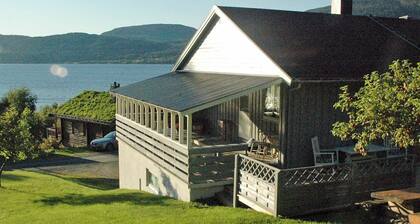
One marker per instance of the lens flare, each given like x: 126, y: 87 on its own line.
x: 59, y: 71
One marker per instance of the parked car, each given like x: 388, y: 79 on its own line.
x: 108, y: 142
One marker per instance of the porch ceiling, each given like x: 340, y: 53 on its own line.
x: 190, y: 91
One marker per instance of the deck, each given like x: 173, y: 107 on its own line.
x: 300, y: 191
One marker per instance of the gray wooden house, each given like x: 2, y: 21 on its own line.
x: 266, y: 75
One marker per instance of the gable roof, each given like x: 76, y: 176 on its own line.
x: 187, y: 92
x: 314, y: 46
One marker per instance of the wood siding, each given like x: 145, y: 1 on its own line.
x: 227, y: 49
x: 228, y: 112
x: 311, y: 113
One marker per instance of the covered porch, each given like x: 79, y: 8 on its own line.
x: 193, y: 124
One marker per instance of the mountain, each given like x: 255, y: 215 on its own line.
x: 138, y: 44
x: 154, y: 32
x: 383, y: 8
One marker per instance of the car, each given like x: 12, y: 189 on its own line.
x: 108, y: 142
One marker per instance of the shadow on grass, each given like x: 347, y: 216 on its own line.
x: 136, y: 198
x: 53, y: 160
x: 96, y: 183
x: 13, y: 177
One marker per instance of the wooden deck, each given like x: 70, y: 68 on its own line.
x: 198, y: 166
x: 300, y: 191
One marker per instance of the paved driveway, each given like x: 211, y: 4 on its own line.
x: 92, y: 164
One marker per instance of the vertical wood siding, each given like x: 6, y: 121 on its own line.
x: 227, y: 50
x: 311, y: 113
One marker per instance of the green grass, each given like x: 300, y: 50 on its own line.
x: 29, y: 197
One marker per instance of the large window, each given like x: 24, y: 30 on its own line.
x: 272, y: 101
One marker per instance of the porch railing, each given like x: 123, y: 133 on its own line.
x: 299, y: 191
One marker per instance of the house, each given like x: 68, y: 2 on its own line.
x: 267, y: 75
x: 84, y: 118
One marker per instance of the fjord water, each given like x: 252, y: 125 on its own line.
x: 58, y: 83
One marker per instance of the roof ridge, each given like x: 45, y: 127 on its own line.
x: 396, y: 33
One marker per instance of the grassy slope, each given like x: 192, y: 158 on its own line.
x: 90, y: 104
x: 37, y: 198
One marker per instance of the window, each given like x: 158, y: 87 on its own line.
x: 152, y: 181
x: 272, y: 101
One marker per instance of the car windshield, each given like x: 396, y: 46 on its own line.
x: 110, y: 135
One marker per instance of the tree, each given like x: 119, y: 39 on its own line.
x: 20, y: 99
x: 387, y: 106
x: 16, y: 139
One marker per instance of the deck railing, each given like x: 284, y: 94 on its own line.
x: 306, y: 190
x: 214, y: 165
x: 198, y: 166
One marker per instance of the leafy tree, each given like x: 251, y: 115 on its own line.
x: 386, y: 107
x: 20, y: 99
x: 16, y: 139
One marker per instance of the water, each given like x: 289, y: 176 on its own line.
x: 52, y: 83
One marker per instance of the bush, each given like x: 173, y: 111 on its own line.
x: 48, y: 145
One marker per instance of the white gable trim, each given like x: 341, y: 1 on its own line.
x: 201, y: 34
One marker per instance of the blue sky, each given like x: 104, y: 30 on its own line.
x: 45, y: 17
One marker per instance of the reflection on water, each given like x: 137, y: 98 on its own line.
x: 70, y: 79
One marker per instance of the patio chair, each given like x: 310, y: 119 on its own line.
x: 323, y: 157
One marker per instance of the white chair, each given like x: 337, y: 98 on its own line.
x: 323, y: 157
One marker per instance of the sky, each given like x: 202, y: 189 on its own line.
x: 47, y: 17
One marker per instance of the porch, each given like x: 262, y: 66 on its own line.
x: 300, y: 191
x: 195, y: 134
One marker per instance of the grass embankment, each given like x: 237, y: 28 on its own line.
x: 29, y: 197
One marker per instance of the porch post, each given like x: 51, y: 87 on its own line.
x: 159, y: 119
x: 132, y: 114
x: 173, y: 128
x: 141, y: 114
x: 236, y: 181
x: 127, y: 108
x: 136, y: 112
x: 277, y: 189
x: 146, y: 116
x: 165, y: 122
x: 189, y: 131
x: 181, y: 128
x: 153, y: 117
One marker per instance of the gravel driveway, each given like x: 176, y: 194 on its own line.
x: 92, y: 164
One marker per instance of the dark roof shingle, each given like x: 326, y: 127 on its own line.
x: 314, y: 46
x: 183, y: 91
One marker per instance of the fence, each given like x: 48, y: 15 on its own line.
x: 299, y: 191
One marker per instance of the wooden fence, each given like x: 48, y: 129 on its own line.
x: 300, y: 191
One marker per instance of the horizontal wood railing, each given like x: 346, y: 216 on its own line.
x: 299, y: 191
x: 170, y: 156
x: 213, y: 165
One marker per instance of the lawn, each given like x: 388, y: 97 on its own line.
x: 30, y: 197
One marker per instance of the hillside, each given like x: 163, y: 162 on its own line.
x: 383, y: 8
x: 155, y: 32
x: 123, y: 45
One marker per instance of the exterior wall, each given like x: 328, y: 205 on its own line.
x: 311, y: 113
x: 228, y: 112
x: 74, y: 133
x: 227, y: 49
x: 133, y: 168
x: 79, y: 134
